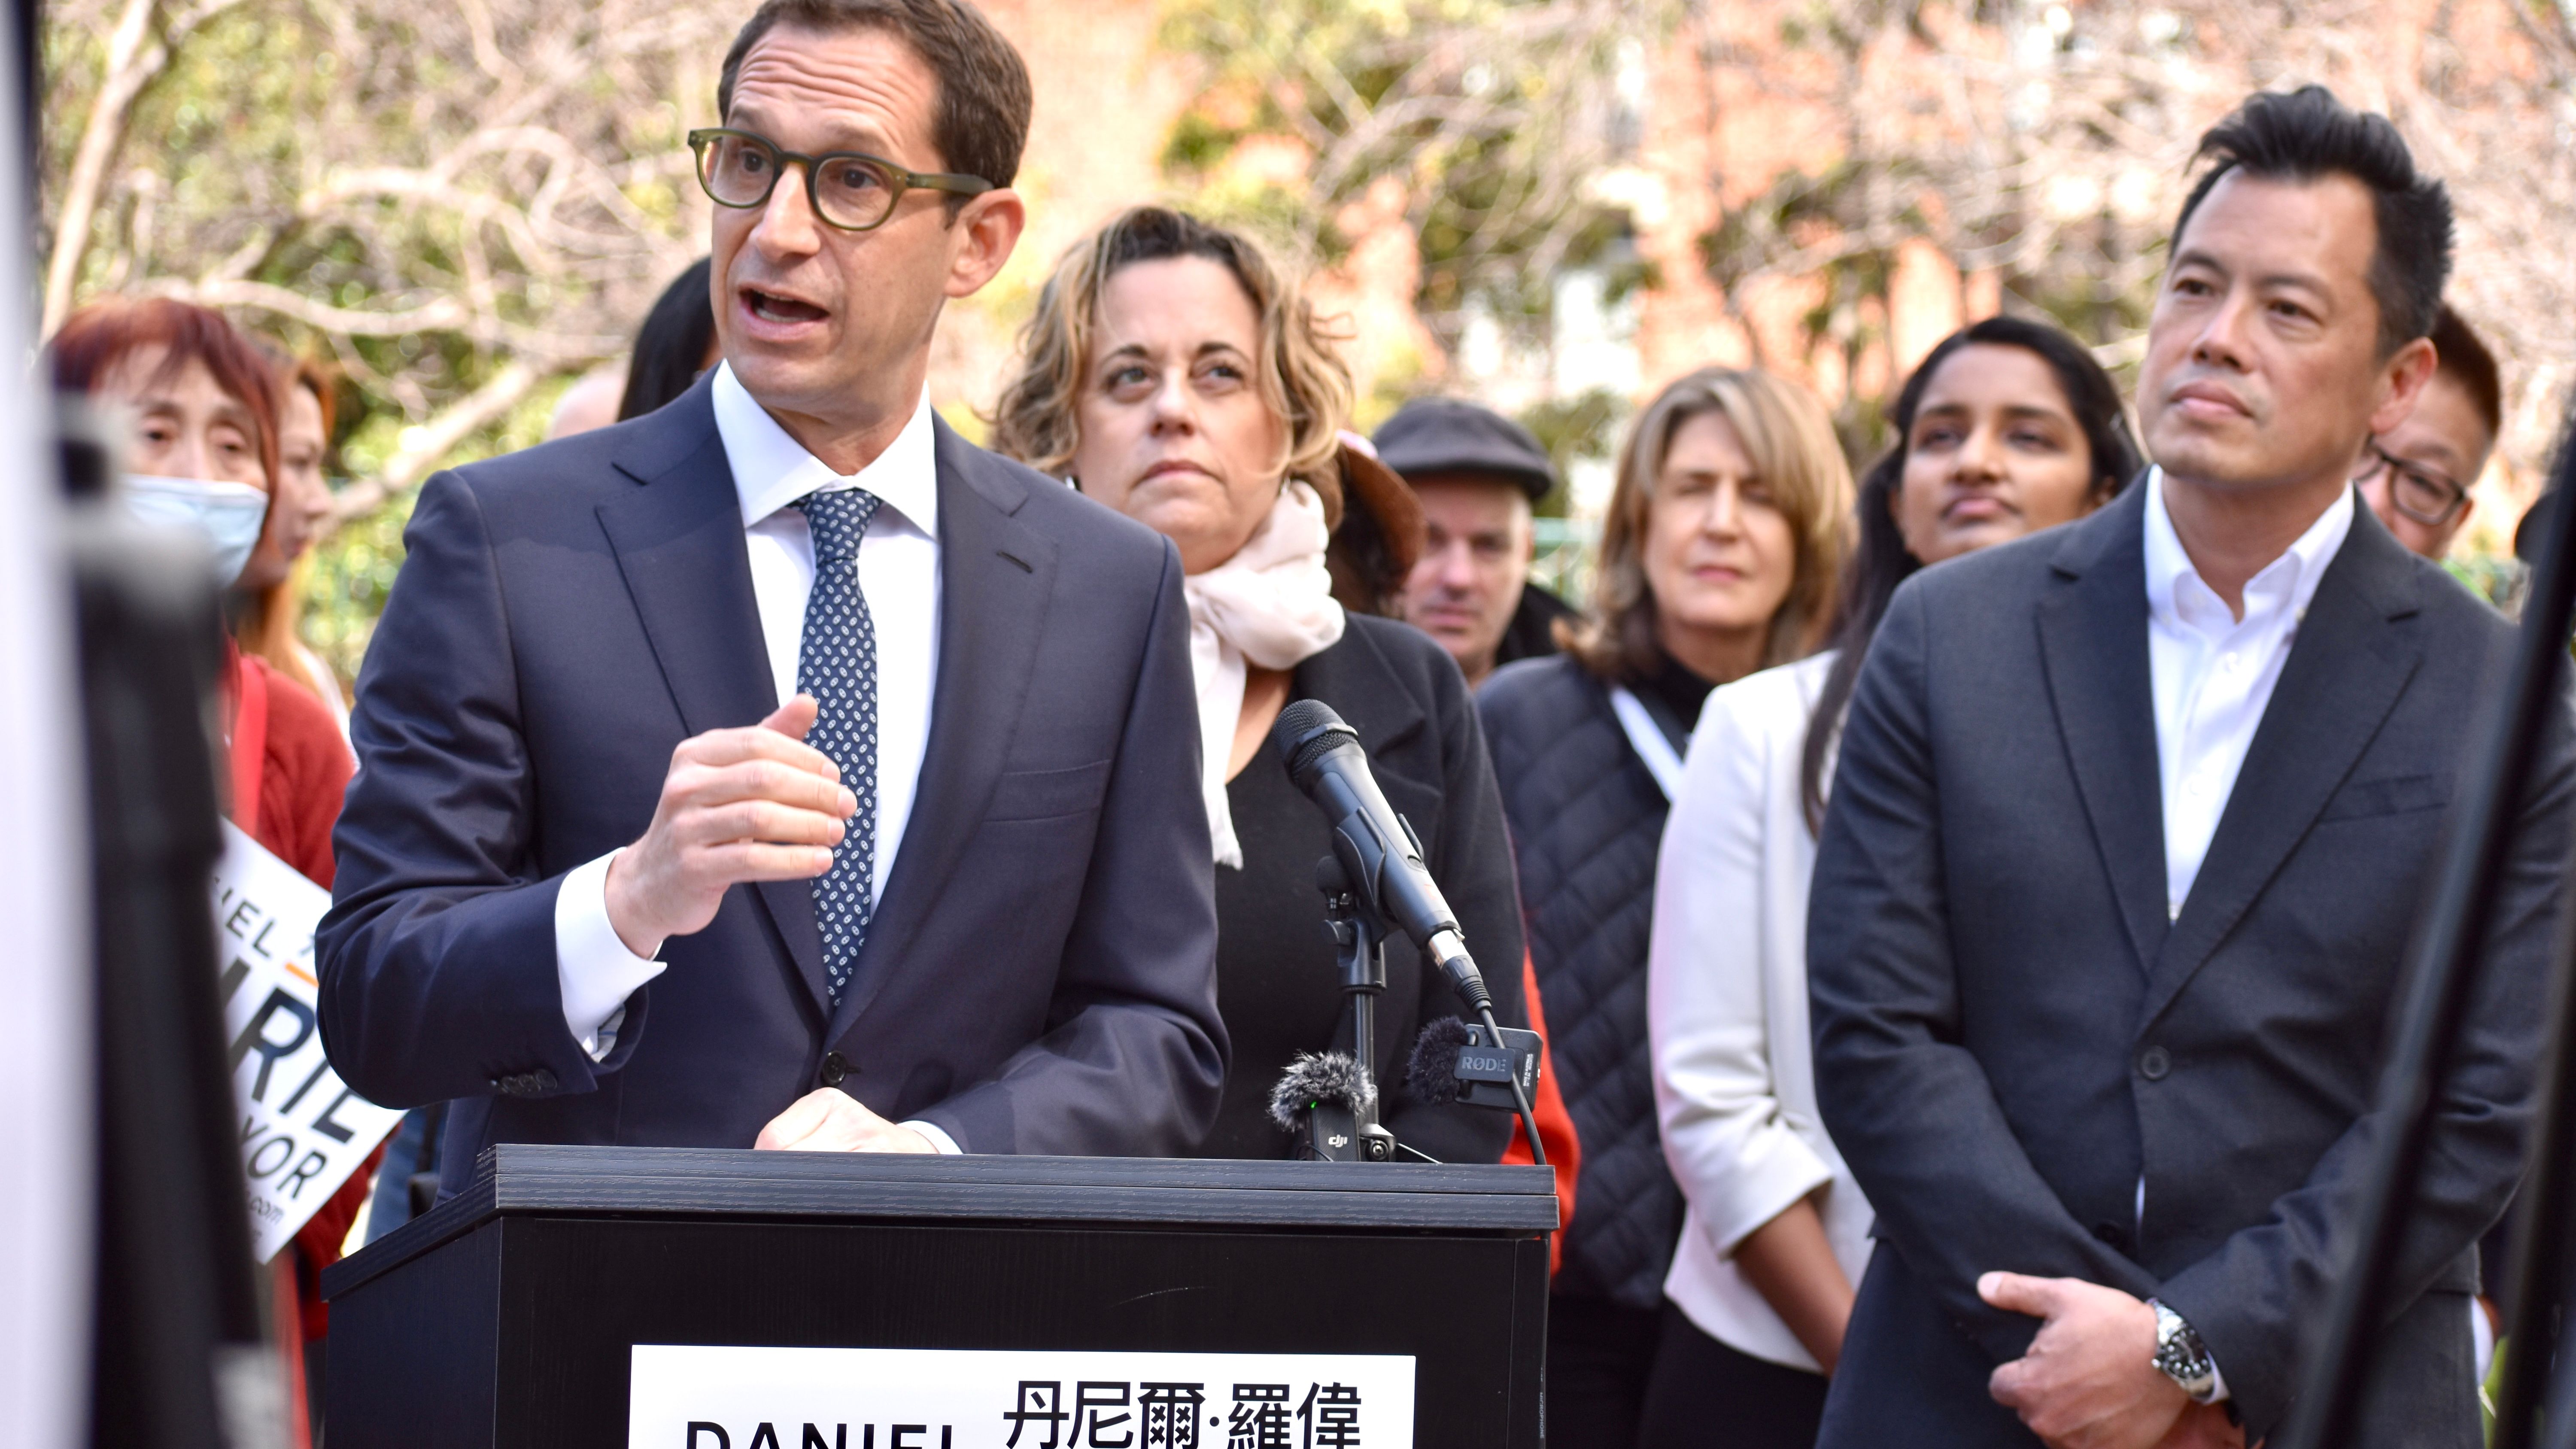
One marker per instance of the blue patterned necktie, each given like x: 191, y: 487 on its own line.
x: 837, y: 664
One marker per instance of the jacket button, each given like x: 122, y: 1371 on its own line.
x: 2107, y: 1233
x: 835, y: 1067
x: 2153, y: 1063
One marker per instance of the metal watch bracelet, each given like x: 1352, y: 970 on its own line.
x: 2181, y: 1356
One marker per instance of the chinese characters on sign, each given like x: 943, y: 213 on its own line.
x: 1167, y: 1417
x: 688, y: 1397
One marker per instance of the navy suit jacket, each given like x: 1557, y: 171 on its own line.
x: 1039, y: 976
x: 2010, y: 1032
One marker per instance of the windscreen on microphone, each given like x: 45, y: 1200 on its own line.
x: 1432, y: 1073
x: 1332, y: 1078
x: 1307, y: 730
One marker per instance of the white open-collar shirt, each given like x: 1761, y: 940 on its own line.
x: 899, y: 576
x: 2213, y: 673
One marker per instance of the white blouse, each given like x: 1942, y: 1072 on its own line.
x: 1726, y: 1006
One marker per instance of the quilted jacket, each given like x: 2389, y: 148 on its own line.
x: 1586, y: 819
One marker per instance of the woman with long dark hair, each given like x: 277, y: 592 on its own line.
x: 2007, y: 428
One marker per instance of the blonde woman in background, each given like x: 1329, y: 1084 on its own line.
x: 1175, y: 373
x: 1718, y: 558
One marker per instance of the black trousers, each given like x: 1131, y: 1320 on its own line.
x: 1599, y: 1356
x: 1702, y: 1394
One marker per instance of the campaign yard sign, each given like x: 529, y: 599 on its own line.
x: 303, y: 1131
x: 685, y: 1396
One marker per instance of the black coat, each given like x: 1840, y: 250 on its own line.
x: 1038, y: 977
x: 1587, y: 820
x: 1276, y: 982
x: 2011, y: 1034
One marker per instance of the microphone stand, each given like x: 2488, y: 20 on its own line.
x: 1334, y: 1134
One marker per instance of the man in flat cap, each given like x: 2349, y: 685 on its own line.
x: 1477, y: 474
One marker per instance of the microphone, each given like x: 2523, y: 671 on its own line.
x: 1453, y: 1061
x: 1384, y: 859
x: 1327, y: 1098
x: 1318, y: 1079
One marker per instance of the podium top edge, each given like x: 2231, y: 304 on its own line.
x: 526, y: 1166
x: 538, y: 1180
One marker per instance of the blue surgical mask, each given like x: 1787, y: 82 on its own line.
x: 227, y: 515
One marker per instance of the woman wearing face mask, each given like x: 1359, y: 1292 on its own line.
x: 1177, y: 377
x: 202, y: 456
x: 2008, y: 427
x: 1724, y: 527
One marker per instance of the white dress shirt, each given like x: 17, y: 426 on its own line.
x: 1726, y: 1010
x: 2212, y: 676
x: 899, y: 576
x: 2213, y: 673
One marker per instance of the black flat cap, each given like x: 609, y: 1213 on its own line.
x: 1450, y: 435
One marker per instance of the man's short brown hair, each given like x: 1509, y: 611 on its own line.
x: 982, y: 120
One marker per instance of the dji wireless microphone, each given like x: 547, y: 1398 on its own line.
x: 1377, y: 847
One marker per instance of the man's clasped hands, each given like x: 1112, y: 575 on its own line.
x: 2089, y: 1380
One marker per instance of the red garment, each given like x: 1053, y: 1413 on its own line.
x: 304, y: 770
x: 1555, y: 1124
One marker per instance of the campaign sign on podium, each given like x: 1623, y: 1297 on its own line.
x: 714, y: 1397
x: 303, y: 1131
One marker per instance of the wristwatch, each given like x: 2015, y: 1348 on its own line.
x: 2182, y: 1357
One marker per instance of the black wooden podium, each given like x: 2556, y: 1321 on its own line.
x: 506, y: 1317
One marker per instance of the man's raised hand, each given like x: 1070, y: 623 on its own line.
x: 737, y: 805
x: 2090, y: 1379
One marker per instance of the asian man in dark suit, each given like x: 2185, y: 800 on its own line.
x: 778, y: 768
x: 2129, y: 830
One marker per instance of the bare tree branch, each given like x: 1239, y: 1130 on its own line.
x: 426, y: 443
x: 132, y: 61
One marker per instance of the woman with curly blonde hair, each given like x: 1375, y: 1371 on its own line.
x: 1178, y: 375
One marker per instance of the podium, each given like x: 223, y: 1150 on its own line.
x: 770, y: 1300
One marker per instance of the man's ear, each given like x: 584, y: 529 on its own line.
x: 2401, y: 381
x: 987, y: 228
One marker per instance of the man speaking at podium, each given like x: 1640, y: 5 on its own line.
x: 778, y: 767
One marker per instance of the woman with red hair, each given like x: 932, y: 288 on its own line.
x: 203, y: 453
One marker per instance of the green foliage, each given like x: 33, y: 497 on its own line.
x: 1581, y: 428
x: 1494, y: 114
x: 352, y: 574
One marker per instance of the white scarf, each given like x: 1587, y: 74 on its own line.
x: 1270, y: 605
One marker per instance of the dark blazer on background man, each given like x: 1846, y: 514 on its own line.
x: 1039, y: 974
x: 2010, y: 1033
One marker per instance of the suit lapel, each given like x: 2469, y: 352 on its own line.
x: 679, y: 546
x: 996, y: 576
x: 2093, y: 645
x: 2347, y: 667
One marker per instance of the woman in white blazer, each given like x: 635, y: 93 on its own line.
x: 2008, y: 427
